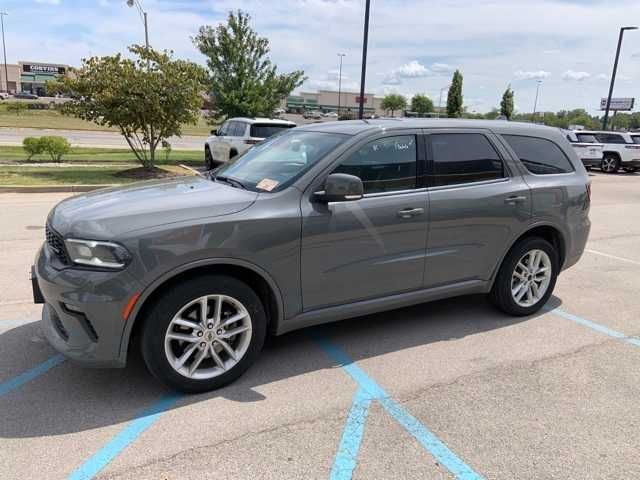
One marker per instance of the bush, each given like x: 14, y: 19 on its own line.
x: 32, y: 146
x: 56, y: 147
x: 17, y: 107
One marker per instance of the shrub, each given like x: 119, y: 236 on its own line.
x: 17, y: 107
x: 55, y: 147
x: 32, y: 146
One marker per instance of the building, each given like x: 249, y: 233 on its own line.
x: 30, y: 76
x: 327, y: 101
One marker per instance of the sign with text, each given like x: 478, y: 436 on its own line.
x: 618, y: 104
x: 364, y: 99
x: 43, y: 69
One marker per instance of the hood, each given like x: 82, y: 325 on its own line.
x: 105, y: 214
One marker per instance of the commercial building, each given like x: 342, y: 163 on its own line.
x: 30, y: 76
x: 327, y: 101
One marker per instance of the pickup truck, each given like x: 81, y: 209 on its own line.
x: 587, y: 147
x: 620, y: 151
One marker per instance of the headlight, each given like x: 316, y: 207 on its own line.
x: 97, y: 254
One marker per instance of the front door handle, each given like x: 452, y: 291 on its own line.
x: 513, y: 199
x: 410, y: 212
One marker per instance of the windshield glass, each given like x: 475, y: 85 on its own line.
x: 280, y: 160
x: 586, y: 138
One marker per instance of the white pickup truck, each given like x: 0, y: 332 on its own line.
x: 587, y: 147
x: 620, y: 151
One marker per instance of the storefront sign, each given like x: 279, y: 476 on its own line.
x: 43, y: 69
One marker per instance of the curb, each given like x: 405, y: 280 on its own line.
x: 51, y: 188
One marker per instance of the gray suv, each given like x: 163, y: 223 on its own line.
x: 317, y: 224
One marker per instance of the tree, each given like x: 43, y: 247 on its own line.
x: 243, y: 81
x: 507, y: 105
x: 148, y: 98
x: 454, y: 98
x: 421, y: 104
x: 393, y: 102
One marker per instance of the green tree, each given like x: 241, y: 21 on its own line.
x: 421, y: 104
x: 507, y: 105
x: 147, y: 98
x: 454, y: 98
x: 393, y: 102
x: 243, y: 81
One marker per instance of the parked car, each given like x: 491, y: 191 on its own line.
x: 320, y: 223
x: 237, y: 135
x: 587, y: 147
x: 330, y: 114
x: 4, y: 95
x: 25, y: 96
x: 635, y: 137
x: 619, y: 151
x: 280, y: 111
x: 312, y: 114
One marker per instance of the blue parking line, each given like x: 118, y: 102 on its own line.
x: 421, y: 433
x: 29, y: 375
x: 124, y: 438
x: 347, y: 456
x: 596, y: 326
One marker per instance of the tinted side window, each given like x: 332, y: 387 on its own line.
x: 267, y: 130
x: 463, y: 158
x: 384, y: 165
x: 222, y: 131
x: 610, y: 138
x: 232, y: 129
x: 538, y: 155
x: 241, y: 128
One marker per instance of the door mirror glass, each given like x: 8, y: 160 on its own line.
x: 340, y: 187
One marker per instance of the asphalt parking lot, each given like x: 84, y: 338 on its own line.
x: 451, y: 389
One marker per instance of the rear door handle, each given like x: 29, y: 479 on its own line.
x: 410, y: 212
x: 513, y: 199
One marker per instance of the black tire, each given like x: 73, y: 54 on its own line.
x: 161, y: 313
x: 501, y: 295
x: 610, y: 163
x: 631, y: 170
x: 208, y: 159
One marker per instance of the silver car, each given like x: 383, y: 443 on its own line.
x: 317, y: 224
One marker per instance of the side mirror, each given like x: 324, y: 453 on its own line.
x: 214, y: 131
x: 340, y: 187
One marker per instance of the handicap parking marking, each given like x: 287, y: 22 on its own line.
x: 35, y: 372
x: 124, y: 438
x: 429, y: 441
x: 595, y: 326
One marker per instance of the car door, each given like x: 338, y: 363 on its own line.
x: 218, y: 140
x: 375, y: 246
x: 479, y: 202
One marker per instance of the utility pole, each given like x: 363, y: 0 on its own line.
x: 535, y: 102
x: 363, y: 73
x: 4, y: 49
x: 613, y: 76
x: 143, y: 15
x: 340, y: 83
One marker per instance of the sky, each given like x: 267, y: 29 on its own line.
x: 414, y: 45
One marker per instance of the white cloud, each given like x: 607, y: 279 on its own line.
x: 575, y: 76
x: 442, y: 68
x: 413, y: 69
x: 602, y: 76
x: 531, y: 75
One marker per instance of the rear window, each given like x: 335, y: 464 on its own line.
x: 636, y: 138
x: 586, y: 138
x: 610, y: 138
x: 267, y: 130
x: 540, y: 156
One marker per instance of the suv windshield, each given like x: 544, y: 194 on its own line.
x: 261, y: 130
x: 280, y: 160
x: 586, y: 138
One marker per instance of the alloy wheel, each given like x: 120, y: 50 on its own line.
x: 531, y: 277
x: 609, y: 164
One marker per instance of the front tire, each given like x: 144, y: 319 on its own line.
x: 526, y: 278
x: 610, y: 164
x: 203, y: 333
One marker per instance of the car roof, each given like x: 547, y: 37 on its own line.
x: 275, y: 121
x: 596, y: 132
x: 354, y: 127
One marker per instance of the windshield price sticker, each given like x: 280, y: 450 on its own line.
x: 267, y: 184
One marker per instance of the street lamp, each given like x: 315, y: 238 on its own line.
x: 143, y: 15
x: 440, y: 101
x: 340, y: 82
x: 613, y: 76
x: 4, y: 49
x: 364, y: 58
x: 535, y: 102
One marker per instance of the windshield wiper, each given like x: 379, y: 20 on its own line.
x: 231, y: 181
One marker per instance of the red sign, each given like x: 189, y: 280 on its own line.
x: 358, y: 99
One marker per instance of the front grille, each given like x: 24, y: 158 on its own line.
x: 56, y: 244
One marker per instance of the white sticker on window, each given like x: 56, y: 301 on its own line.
x: 267, y: 184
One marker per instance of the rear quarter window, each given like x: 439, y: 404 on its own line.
x: 539, y: 155
x: 267, y: 130
x: 611, y: 138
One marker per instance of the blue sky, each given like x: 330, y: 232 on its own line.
x: 414, y: 44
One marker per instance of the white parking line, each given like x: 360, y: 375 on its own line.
x: 615, y: 257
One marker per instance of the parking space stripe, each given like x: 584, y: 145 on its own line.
x: 615, y: 257
x: 347, y: 456
x: 124, y: 438
x: 29, y: 375
x: 419, y: 431
x: 596, y: 326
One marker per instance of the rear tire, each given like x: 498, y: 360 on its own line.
x: 519, y: 270
x: 222, y: 355
x: 610, y: 163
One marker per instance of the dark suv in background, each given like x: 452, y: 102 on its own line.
x: 317, y: 224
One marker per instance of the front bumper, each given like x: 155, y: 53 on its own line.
x: 82, y: 312
x: 591, y: 162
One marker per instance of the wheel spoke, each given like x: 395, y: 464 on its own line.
x: 535, y: 289
x: 218, y: 311
x: 204, y: 310
x: 228, y: 349
x: 182, y: 337
x: 233, y: 319
x: 521, y: 291
x: 529, y: 294
x: 186, y: 355
x: 235, y: 331
x: 187, y: 323
x: 216, y: 357
x: 197, y: 361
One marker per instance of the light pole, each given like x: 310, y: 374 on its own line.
x: 143, y: 15
x: 340, y: 83
x: 440, y: 101
x: 535, y: 102
x: 613, y: 76
x: 4, y: 49
x: 364, y: 58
